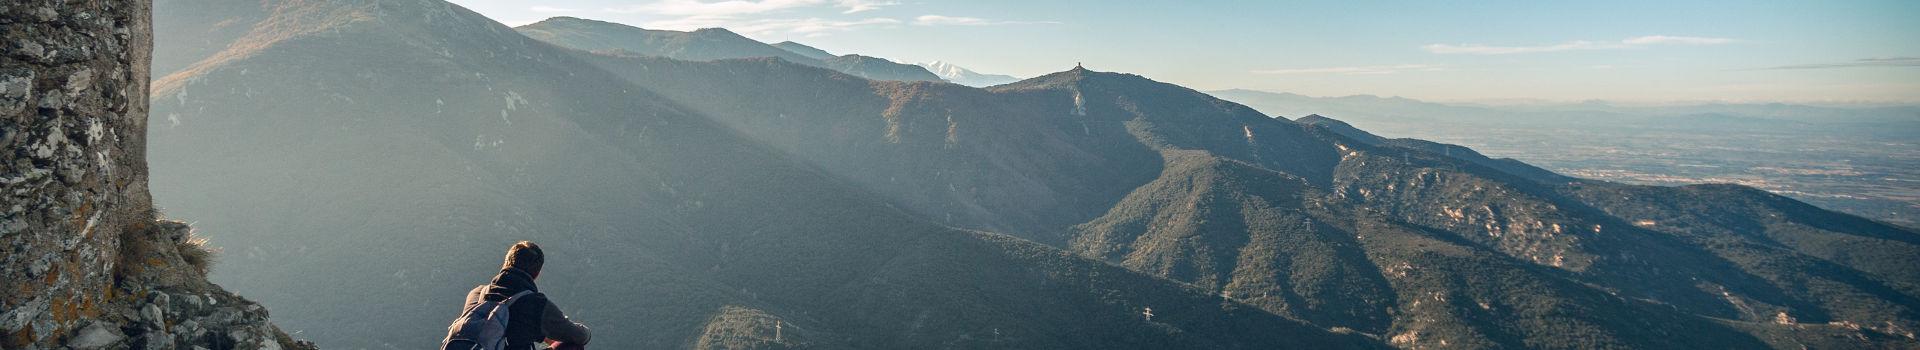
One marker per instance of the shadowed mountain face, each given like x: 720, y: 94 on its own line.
x: 380, y: 153
x: 708, y: 44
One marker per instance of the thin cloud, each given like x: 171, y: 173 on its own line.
x: 551, y: 9
x: 857, y: 6
x: 691, y: 23
x: 813, y: 26
x: 938, y: 20
x: 1354, y: 70
x: 1628, y: 43
x: 1864, y: 62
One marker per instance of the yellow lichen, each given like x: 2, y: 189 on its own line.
x: 63, y: 311
x: 22, y: 338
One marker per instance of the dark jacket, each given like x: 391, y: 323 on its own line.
x: 533, y: 319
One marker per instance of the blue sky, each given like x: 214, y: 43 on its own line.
x: 1484, y: 51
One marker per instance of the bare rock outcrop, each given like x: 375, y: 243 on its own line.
x: 84, y: 261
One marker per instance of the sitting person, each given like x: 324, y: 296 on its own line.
x: 530, y: 317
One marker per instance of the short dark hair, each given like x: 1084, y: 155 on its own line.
x: 525, y: 256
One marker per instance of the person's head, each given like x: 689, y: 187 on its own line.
x: 525, y: 256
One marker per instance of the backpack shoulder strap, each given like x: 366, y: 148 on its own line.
x: 516, y: 297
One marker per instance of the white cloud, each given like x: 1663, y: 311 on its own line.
x: 1357, y: 69
x: 856, y: 6
x: 551, y: 9
x: 1628, y: 43
x: 931, y: 20
x: 812, y: 26
x: 938, y: 20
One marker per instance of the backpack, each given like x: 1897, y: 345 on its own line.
x: 481, y: 326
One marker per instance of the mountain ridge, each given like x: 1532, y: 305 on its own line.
x: 738, y: 191
x: 1076, y: 101
x: 804, y: 50
x: 669, y: 224
x: 704, y: 44
x: 963, y: 76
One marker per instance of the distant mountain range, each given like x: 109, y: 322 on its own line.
x: 380, y: 153
x: 1715, y: 116
x: 705, y: 45
x: 962, y: 76
x: 946, y: 71
x: 804, y: 50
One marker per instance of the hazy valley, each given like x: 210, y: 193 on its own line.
x: 1861, y: 160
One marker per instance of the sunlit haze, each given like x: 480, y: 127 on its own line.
x: 1485, y: 51
x: 959, y: 174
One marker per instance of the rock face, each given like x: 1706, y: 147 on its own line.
x: 86, y: 265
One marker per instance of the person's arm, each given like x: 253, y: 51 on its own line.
x: 561, y: 329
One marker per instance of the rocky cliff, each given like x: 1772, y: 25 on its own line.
x: 86, y: 263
